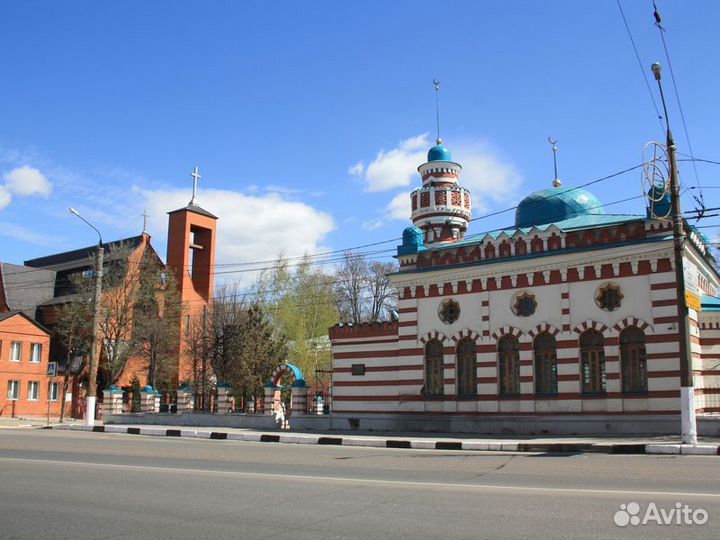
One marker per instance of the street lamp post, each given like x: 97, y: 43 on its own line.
x: 94, y: 352
x: 687, y: 390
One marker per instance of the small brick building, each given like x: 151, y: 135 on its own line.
x: 24, y: 382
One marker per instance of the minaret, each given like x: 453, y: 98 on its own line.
x: 441, y: 208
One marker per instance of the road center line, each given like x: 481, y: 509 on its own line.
x: 400, y: 483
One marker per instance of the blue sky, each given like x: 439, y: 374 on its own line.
x: 307, y: 119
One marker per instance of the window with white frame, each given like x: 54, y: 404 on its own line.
x: 54, y: 391
x: 35, y: 352
x: 13, y: 390
x: 33, y: 390
x: 15, y: 351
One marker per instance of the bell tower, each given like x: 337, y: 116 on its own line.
x: 191, y: 256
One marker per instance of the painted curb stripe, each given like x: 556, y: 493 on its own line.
x: 397, y: 444
x: 330, y: 440
x: 548, y: 448
x: 448, y: 445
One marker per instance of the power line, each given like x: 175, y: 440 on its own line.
x: 373, y: 244
x: 641, y: 66
x: 661, y: 30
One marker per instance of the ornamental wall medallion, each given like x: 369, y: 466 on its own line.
x: 449, y: 311
x: 609, y: 297
x: 524, y: 304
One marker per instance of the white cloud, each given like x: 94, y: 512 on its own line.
x: 486, y: 175
x: 25, y: 235
x: 372, y: 224
x: 5, y: 197
x: 26, y: 181
x: 251, y: 227
x: 399, y: 206
x: 489, y: 177
x: 396, y: 167
x: 357, y: 170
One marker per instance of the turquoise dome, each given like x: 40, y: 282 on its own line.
x: 556, y: 204
x: 439, y: 153
x: 660, y: 203
x: 413, y: 239
x: 413, y: 236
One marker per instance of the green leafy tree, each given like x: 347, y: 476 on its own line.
x: 300, y: 302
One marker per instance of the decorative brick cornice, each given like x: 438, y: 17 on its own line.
x: 369, y: 329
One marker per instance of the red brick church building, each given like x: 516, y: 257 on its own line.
x: 31, y: 294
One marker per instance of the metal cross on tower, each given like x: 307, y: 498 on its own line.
x: 196, y: 176
x: 145, y: 216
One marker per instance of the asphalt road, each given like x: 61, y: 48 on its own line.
x: 59, y: 484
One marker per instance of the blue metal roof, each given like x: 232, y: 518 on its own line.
x: 556, y: 204
x: 709, y: 303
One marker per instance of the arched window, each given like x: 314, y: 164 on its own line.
x: 592, y: 358
x: 509, y: 365
x: 545, y: 349
x: 465, y: 367
x: 434, y: 368
x: 633, y: 360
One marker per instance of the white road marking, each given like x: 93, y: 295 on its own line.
x: 399, y: 483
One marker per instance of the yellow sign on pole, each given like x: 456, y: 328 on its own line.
x: 692, y: 301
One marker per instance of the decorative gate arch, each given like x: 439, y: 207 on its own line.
x: 298, y: 399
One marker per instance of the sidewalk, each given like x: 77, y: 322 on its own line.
x: 9, y: 422
x: 426, y: 441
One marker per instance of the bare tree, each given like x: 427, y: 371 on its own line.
x: 351, y: 278
x: 363, y: 291
x: 244, y: 347
x: 383, y: 296
x: 120, y: 289
x: 198, y: 342
x: 156, y: 313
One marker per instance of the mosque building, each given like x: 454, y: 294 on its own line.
x: 567, y: 321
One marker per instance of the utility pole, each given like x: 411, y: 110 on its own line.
x: 94, y: 349
x: 687, y: 390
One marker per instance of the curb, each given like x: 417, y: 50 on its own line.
x: 419, y: 444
